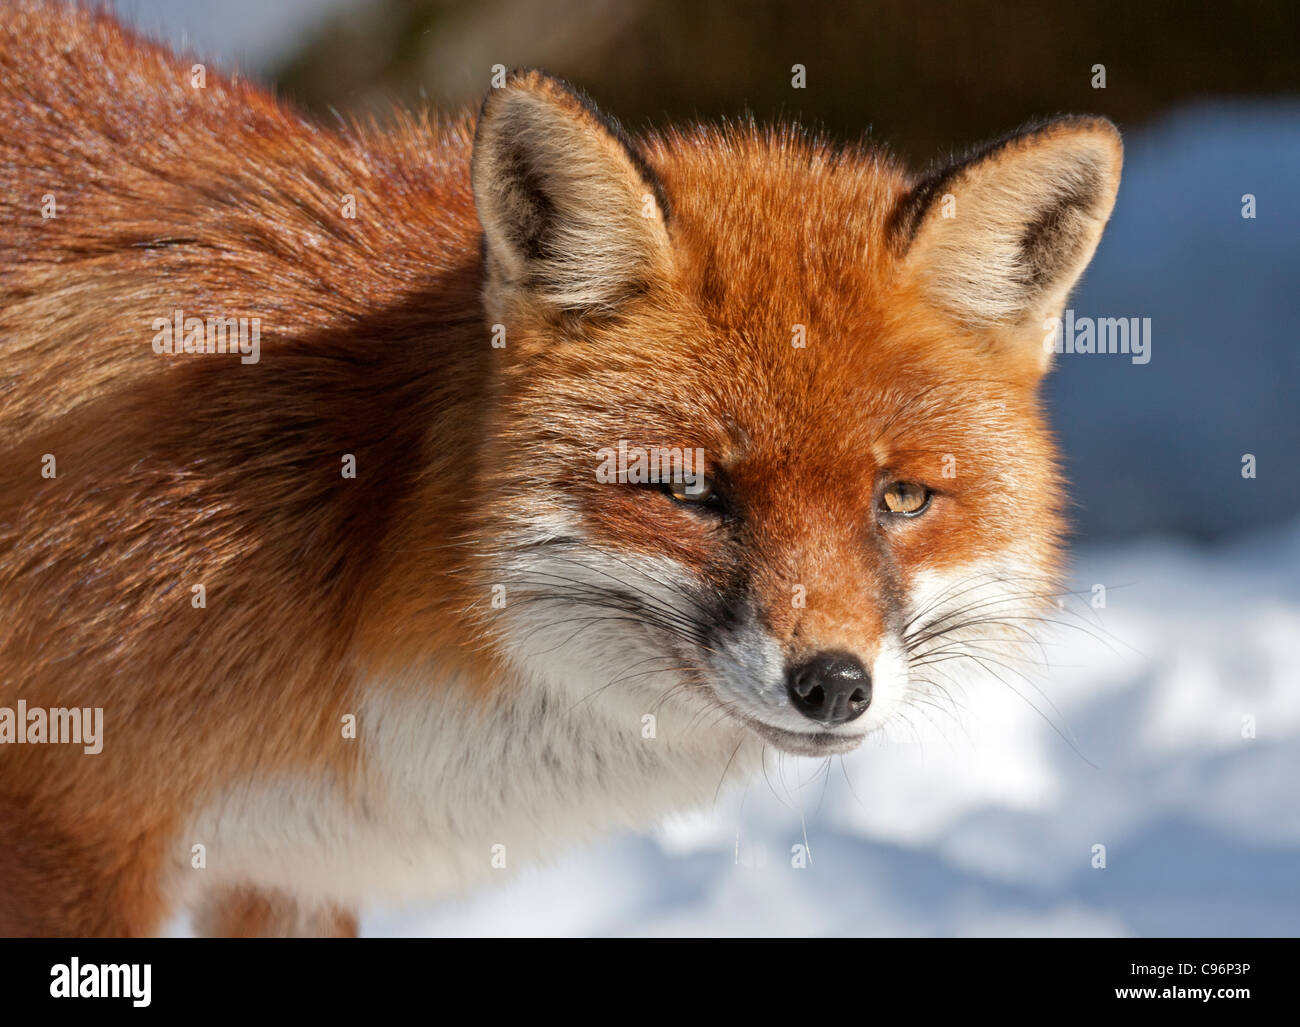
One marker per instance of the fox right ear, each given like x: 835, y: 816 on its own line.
x: 999, y: 239
x: 571, y: 213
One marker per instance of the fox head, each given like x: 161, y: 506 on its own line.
x: 854, y: 352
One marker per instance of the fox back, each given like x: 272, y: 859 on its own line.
x: 556, y: 474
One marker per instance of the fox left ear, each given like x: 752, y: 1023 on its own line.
x: 571, y: 213
x: 999, y: 239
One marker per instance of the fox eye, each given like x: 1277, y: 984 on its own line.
x: 699, y: 492
x: 905, y: 498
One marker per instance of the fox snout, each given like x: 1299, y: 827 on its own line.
x: 829, y: 688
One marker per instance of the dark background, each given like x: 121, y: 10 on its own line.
x: 920, y: 76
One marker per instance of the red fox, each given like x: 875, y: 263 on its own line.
x: 533, y: 481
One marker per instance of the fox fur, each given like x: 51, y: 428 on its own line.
x: 518, y: 288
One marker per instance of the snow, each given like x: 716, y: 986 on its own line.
x: 986, y: 825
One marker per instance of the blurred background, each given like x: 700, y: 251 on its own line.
x: 1164, y: 725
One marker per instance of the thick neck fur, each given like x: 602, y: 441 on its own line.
x: 451, y: 794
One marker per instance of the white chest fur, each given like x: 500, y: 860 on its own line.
x: 451, y: 794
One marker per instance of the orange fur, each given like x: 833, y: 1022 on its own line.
x: 174, y: 472
x: 249, y: 913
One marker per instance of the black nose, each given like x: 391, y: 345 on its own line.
x: 830, y: 688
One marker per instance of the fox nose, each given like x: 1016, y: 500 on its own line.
x: 830, y: 688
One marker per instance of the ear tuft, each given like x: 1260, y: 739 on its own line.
x: 1001, y: 237
x: 572, y: 214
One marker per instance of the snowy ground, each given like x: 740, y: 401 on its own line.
x: 987, y: 826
